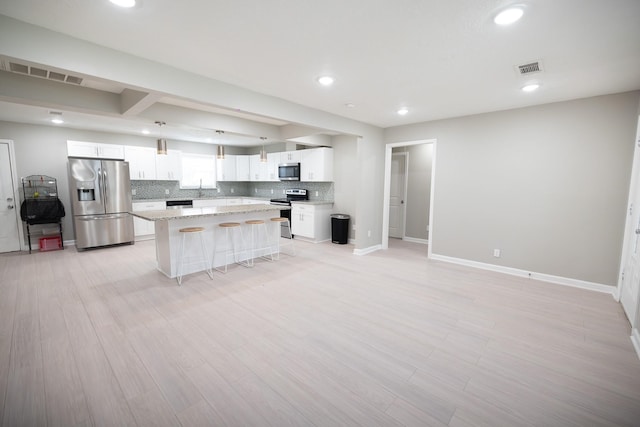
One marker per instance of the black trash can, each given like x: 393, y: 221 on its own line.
x: 340, y: 228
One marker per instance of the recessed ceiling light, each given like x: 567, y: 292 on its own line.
x: 56, y: 117
x: 325, y: 80
x: 530, y: 87
x: 508, y: 16
x: 124, y: 3
x: 403, y: 111
x: 350, y: 105
x: 145, y: 131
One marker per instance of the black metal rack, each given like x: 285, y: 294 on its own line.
x: 41, y: 205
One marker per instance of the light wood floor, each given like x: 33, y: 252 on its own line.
x: 326, y: 338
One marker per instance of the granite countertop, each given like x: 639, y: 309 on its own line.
x: 308, y: 202
x: 169, y: 214
x: 199, y: 198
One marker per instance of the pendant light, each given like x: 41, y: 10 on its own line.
x: 263, y: 153
x: 220, y: 154
x: 162, y: 146
x: 161, y: 143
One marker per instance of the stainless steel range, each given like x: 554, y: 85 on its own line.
x: 292, y: 194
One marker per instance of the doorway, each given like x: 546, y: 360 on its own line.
x: 10, y: 224
x: 398, y: 194
x: 387, y: 190
x: 629, y: 282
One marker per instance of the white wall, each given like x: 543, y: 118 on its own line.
x: 547, y: 185
x: 345, y: 177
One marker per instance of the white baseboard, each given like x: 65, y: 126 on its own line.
x: 635, y: 339
x: 558, y: 280
x: 306, y: 239
x: 368, y: 250
x: 416, y: 240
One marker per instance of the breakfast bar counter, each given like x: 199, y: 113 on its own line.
x: 168, y: 222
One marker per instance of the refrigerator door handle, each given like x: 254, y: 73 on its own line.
x: 98, y: 218
x: 104, y: 187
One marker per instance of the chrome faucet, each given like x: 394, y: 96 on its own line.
x: 200, y: 193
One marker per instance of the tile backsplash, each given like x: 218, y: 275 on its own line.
x: 171, y: 190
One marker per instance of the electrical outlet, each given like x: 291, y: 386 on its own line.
x: 232, y: 191
x: 133, y: 191
x: 218, y: 189
x: 272, y: 191
x: 496, y: 253
x: 166, y: 191
x: 369, y: 233
x: 256, y: 191
x: 316, y: 194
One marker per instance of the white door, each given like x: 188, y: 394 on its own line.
x: 630, y: 281
x: 9, y: 206
x: 397, y: 195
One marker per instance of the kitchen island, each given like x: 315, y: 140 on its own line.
x: 168, y: 222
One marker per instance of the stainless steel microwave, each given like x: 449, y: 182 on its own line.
x: 289, y: 171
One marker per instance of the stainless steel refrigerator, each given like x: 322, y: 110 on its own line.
x: 101, y: 202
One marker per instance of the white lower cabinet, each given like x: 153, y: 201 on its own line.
x: 246, y: 201
x: 142, y: 228
x: 207, y: 203
x: 311, y: 222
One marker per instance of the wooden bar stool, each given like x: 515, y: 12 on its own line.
x: 278, y: 223
x: 233, y: 232
x: 256, y: 242
x: 192, y: 231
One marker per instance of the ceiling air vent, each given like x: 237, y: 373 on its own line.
x: 43, y: 73
x: 18, y: 68
x: 532, y: 67
x: 73, y: 80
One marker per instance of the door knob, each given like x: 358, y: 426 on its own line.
x: 637, y: 230
x: 10, y: 206
x: 9, y: 199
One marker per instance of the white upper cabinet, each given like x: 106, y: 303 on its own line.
x: 243, y: 171
x: 273, y: 160
x: 290, y: 157
x: 95, y: 150
x: 226, y: 168
x: 142, y: 162
x: 259, y: 170
x: 169, y: 166
x: 254, y: 168
x: 316, y: 164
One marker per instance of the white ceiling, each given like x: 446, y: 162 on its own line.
x: 438, y: 58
